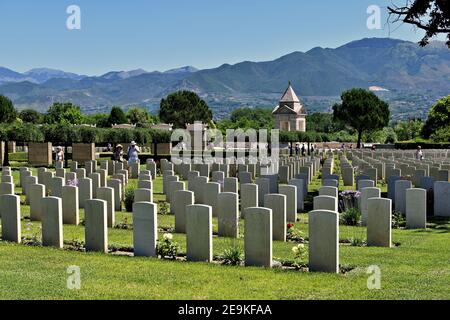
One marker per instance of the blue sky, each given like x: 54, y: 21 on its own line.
x: 164, y: 34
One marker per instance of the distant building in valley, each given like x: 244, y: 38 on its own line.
x: 290, y: 114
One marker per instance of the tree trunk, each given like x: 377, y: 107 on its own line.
x: 6, y: 158
x: 359, y: 139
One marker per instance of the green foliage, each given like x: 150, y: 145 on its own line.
x: 24, y: 133
x: 129, y: 198
x: 184, y: 107
x: 139, y: 117
x: 166, y: 247
x: 362, y: 110
x: 233, y: 255
x: 31, y: 116
x: 441, y: 135
x: 385, y: 135
x: 160, y: 136
x: 60, y: 133
x: 63, y: 113
x: 323, y: 122
x: 351, y: 217
x: 89, y: 134
x: 7, y: 111
x: 117, y: 116
x: 408, y: 129
x: 438, y: 117
x: 255, y: 118
x: 100, y: 120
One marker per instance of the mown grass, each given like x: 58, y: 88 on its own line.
x: 416, y: 269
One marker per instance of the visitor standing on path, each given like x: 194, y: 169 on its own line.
x: 133, y: 153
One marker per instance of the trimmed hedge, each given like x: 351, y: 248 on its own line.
x: 423, y: 145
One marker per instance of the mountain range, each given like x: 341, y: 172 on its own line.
x: 401, y: 71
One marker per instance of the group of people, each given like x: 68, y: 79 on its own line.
x: 132, y: 153
x: 302, y: 149
x: 118, y: 155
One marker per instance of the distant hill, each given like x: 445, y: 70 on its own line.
x: 410, y: 76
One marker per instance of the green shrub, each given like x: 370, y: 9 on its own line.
x: 233, y: 255
x: 129, y: 198
x: 351, y: 217
x: 166, y: 247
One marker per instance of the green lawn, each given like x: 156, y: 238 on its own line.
x: 419, y: 268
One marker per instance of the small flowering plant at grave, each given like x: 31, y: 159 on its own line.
x: 166, y: 248
x: 348, y: 206
x: 294, y: 235
x: 398, y: 219
x: 163, y: 208
x: 72, y: 183
x: 233, y: 255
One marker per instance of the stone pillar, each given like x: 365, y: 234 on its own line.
x: 379, y: 222
x: 36, y: 194
x: 325, y: 203
x: 442, y: 199
x: 10, y: 214
x: 230, y: 185
x: 228, y: 214
x: 70, y: 205
x: 56, y: 185
x: 6, y: 188
x: 416, y: 208
x: 400, y: 194
x: 107, y: 194
x: 96, y: 229
x: 182, y: 199
x: 277, y: 203
x: 145, y: 229
x: 143, y: 195
x: 84, y: 191
x: 291, y: 202
x: 324, y: 241
x: 192, y: 175
x: 135, y: 170
x: 199, y: 244
x: 263, y: 189
x: 52, y: 223
x: 95, y: 177
x: 211, y: 193
x: 366, y: 194
x: 117, y: 186
x: 249, y: 197
x: 258, y: 237
x: 299, y: 184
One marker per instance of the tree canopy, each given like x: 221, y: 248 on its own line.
x: 182, y: 107
x: 117, y: 116
x: 433, y: 16
x: 31, y: 116
x: 438, y: 118
x: 64, y: 113
x: 138, y: 116
x: 7, y: 111
x: 362, y: 110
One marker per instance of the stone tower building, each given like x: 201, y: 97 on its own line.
x: 290, y: 114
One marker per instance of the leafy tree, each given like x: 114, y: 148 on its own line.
x: 362, y: 110
x: 7, y: 111
x: 438, y: 117
x: 408, y: 129
x: 100, y: 120
x: 323, y: 122
x: 433, y: 16
x: 184, y: 107
x: 441, y: 135
x: 138, y: 116
x: 64, y: 113
x: 31, y: 116
x: 117, y: 116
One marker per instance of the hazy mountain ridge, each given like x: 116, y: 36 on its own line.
x: 402, y: 67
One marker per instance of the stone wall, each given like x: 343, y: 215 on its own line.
x: 82, y: 152
x: 162, y: 148
x: 40, y: 153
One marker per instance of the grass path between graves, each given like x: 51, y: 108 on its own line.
x: 419, y: 268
